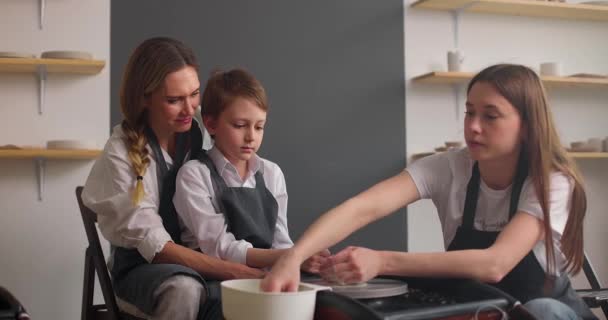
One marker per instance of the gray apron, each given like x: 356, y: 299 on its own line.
x: 134, y: 279
x: 526, y: 281
x: 250, y: 213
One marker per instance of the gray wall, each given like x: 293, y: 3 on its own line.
x: 334, y: 74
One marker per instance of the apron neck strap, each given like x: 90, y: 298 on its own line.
x: 161, y: 164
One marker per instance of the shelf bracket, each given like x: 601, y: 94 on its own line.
x: 40, y: 166
x: 456, y: 90
x: 41, y: 7
x: 42, y: 87
x: 456, y: 22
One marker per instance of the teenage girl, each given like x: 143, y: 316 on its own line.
x: 511, y: 206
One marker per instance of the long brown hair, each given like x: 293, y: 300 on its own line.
x: 145, y: 72
x: 223, y: 87
x: 524, y: 90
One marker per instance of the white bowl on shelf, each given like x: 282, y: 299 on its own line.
x: 71, y: 144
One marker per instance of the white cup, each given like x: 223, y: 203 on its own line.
x: 551, y: 69
x: 455, y: 60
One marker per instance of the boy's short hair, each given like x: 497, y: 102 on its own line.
x: 223, y: 87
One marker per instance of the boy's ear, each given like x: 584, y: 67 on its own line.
x: 210, y: 124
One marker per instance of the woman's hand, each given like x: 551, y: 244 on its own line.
x: 352, y: 265
x: 314, y: 263
x: 285, y: 274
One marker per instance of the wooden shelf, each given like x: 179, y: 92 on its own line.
x: 575, y: 155
x: 30, y: 65
x: 588, y: 155
x: 463, y: 77
x: 50, y: 154
x: 521, y: 8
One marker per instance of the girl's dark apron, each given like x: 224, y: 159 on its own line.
x: 527, y: 280
x: 134, y: 279
x: 250, y: 213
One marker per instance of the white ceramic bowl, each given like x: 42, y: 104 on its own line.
x: 242, y: 299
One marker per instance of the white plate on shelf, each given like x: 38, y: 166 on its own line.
x: 595, y: 3
x: 588, y: 75
x: 70, y: 144
x: 82, y: 55
x: 14, y: 54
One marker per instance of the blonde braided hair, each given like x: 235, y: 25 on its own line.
x: 145, y: 73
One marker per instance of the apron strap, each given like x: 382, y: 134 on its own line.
x: 470, y: 202
x: 165, y: 176
x: 161, y: 166
x: 520, y: 177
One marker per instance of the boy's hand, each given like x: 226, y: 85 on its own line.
x: 314, y: 263
x: 352, y: 265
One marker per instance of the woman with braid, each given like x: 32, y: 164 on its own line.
x: 131, y: 186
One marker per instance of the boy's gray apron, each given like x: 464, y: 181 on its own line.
x: 134, y: 279
x: 527, y: 280
x: 250, y: 213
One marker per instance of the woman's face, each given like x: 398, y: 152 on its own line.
x: 492, y: 125
x: 172, y: 105
x: 239, y: 130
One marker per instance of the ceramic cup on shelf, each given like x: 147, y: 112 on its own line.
x: 551, y: 69
x: 605, y: 145
x: 578, y: 146
x: 455, y: 60
x: 595, y: 144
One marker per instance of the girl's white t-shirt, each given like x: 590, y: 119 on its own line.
x: 443, y: 178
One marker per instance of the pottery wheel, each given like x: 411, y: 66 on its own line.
x: 374, y: 288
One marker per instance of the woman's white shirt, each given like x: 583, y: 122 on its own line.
x: 204, y: 224
x: 443, y: 178
x: 108, y: 192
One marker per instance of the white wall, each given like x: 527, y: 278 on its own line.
x: 42, y: 243
x: 432, y: 116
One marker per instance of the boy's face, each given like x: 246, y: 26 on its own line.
x: 238, y: 131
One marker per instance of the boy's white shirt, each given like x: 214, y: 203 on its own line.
x: 443, y: 178
x: 204, y: 226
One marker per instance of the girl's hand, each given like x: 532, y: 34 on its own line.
x: 314, y: 263
x: 352, y: 265
x: 284, y: 275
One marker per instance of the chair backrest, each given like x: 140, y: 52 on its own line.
x: 95, y: 263
x: 595, y: 284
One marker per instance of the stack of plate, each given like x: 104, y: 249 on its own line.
x: 70, y: 144
x: 82, y: 55
x: 14, y: 54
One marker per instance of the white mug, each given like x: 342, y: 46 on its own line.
x: 455, y: 59
x: 551, y: 69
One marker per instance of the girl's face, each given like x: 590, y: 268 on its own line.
x: 171, y: 107
x: 238, y: 130
x: 492, y: 125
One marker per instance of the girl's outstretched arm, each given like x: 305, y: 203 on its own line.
x: 339, y: 222
x: 357, y: 264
